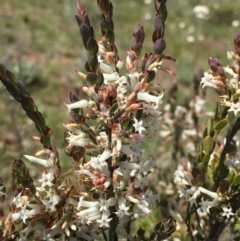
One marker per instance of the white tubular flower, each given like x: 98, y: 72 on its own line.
x: 79, y: 140
x: 133, y: 79
x: 86, y: 204
x: 105, y: 155
x: 182, y: 178
x: 233, y: 62
x: 90, y: 214
x: 150, y: 98
x: 211, y: 194
x: 144, y: 208
x: 104, y: 221
x: 52, y: 202
x: 104, y: 204
x: 43, y: 162
x: 20, y: 215
x: 227, y: 212
x: 73, y: 127
x: 113, y: 77
x: 206, y: 205
x: 83, y: 171
x: 235, y: 108
x: 46, y: 179
x: 122, y: 208
x: 209, y: 81
x: 90, y: 91
x: 78, y: 104
x: 100, y: 162
x: 106, y: 68
x: 119, y: 64
x: 138, y: 126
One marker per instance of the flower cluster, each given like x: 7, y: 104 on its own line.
x: 211, y: 187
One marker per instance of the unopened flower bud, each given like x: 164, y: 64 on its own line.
x: 237, y: 41
x: 133, y: 107
x: 82, y: 75
x: 159, y: 46
x: 131, y: 61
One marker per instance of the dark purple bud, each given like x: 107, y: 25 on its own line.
x: 86, y: 33
x: 158, y: 24
x: 137, y: 48
x: 110, y: 12
x: 237, y: 41
x: 80, y: 8
x: 22, y: 88
x: 103, y: 5
x: 139, y: 34
x: 79, y: 20
x: 214, y: 61
x: 92, y: 78
x: 220, y: 70
x: 159, y: 46
x: 86, y: 20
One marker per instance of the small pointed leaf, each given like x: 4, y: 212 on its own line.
x: 92, y: 78
x: 27, y: 103
x: 220, y: 124
x: 208, y: 144
x: 110, y: 37
x: 92, y: 46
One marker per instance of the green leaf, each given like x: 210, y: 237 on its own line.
x: 110, y: 37
x: 220, y: 124
x: 45, y: 140
x: 106, y: 25
x: 31, y: 116
x: 209, y: 127
x: 200, y: 157
x: 100, y: 79
x: 40, y: 120
x: 139, y: 114
x: 231, y: 177
x: 208, y: 144
x: 10, y: 77
x: 122, y: 158
x: 92, y: 46
x: 237, y: 179
x: 114, y: 107
x: 206, y: 159
x: 86, y: 33
x: 150, y: 76
x: 28, y: 103
x: 14, y: 91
